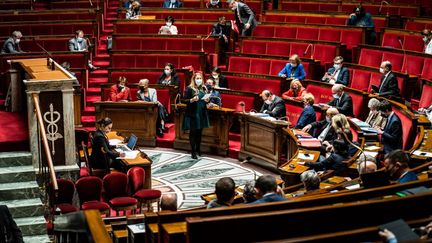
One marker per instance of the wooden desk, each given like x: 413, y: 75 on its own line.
x: 214, y: 138
x: 262, y: 140
x: 173, y: 232
x: 141, y: 160
x: 138, y: 118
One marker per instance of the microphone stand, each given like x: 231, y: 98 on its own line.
x: 50, y: 61
x: 202, y: 41
x: 404, y: 53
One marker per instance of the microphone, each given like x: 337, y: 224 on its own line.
x: 202, y: 41
x: 175, y: 101
x: 247, y: 160
x: 91, y: 3
x: 404, y: 53
x: 400, y: 42
x: 381, y: 5
x: 307, y: 49
x: 50, y: 61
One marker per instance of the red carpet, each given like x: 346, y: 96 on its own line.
x: 13, y: 132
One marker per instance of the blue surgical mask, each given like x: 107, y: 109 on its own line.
x: 198, y: 82
x: 336, y: 66
x: 336, y: 96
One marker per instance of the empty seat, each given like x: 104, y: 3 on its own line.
x: 413, y: 43
x: 232, y: 101
x: 260, y: 66
x: 360, y: 79
x: 371, y: 58
x: 254, y: 47
x: 391, y: 40
x: 238, y: 64
x: 427, y: 69
x: 396, y: 60
x: 413, y: 65
x: 327, y: 34
x: 307, y: 33
x: 278, y: 48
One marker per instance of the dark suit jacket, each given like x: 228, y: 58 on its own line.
x: 333, y: 162
x: 223, y: 81
x: 97, y: 160
x: 307, y: 117
x: 392, y: 136
x: 320, y: 125
x: 274, y: 197
x: 177, y: 4
x: 175, y: 80
x: 276, y: 108
x: 389, y: 87
x: 11, y: 47
x: 219, y: 30
x: 247, y: 16
x: 73, y: 45
x: 343, y: 77
x: 345, y: 105
x: 9, y: 231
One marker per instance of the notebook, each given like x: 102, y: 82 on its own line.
x: 401, y: 230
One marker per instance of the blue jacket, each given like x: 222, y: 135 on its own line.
x: 274, y: 197
x: 410, y: 176
x: 365, y: 21
x: 392, y: 136
x: 343, y: 77
x: 177, y: 4
x: 333, y: 162
x: 306, y: 117
x: 299, y: 72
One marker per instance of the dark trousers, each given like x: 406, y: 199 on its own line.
x: 195, y: 140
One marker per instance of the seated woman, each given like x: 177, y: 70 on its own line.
x: 169, y: 28
x: 100, y: 141
x: 334, y: 161
x: 215, y: 98
x: 119, y: 92
x: 295, y: 92
x: 169, y: 76
x: 172, y: 4
x: 293, y: 69
x: 145, y: 93
x: 220, y: 80
x: 134, y: 11
x: 308, y: 114
x: 374, y: 118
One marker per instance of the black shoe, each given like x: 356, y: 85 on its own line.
x: 159, y: 133
x: 194, y: 156
x: 199, y: 153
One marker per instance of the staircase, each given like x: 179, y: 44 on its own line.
x: 20, y: 192
x: 101, y: 60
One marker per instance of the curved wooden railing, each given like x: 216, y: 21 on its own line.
x: 49, y: 177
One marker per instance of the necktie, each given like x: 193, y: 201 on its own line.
x: 337, y: 102
x: 238, y: 14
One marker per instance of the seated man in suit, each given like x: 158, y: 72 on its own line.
x: 327, y: 131
x: 225, y: 192
x: 244, y: 17
x: 396, y: 164
x: 168, y: 202
x: 391, y: 136
x: 119, y: 92
x: 342, y: 101
x: 172, y: 4
x: 273, y: 105
x: 389, y: 84
x: 79, y: 43
x: 308, y: 115
x: 215, y: 98
x: 266, y: 190
x: 11, y: 45
x: 427, y: 39
x: 9, y: 231
x: 338, y: 74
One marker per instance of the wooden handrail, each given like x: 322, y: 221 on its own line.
x: 45, y: 142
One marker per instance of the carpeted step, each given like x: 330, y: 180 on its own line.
x: 99, y: 72
x: 108, y: 25
x: 234, y: 136
x: 108, y: 32
x: 93, y: 98
x: 93, y: 90
x: 96, y: 82
x: 234, y: 149
x: 90, y: 109
x: 101, y: 63
x: 167, y: 141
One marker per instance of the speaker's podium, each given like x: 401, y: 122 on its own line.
x: 262, y: 139
x: 52, y: 86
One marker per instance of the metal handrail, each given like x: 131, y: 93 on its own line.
x: 45, y: 142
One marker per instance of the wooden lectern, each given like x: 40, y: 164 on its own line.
x: 54, y: 87
x: 262, y: 140
x: 214, y: 138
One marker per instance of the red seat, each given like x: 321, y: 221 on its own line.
x: 264, y: 31
x: 326, y: 34
x: 324, y: 53
x: 254, y: 47
x: 278, y: 48
x: 239, y: 64
x: 413, y: 65
x: 315, y: 20
x: 309, y: 7
x: 412, y: 25
x: 299, y: 49
x: 293, y: 113
x: 115, y: 192
x: 352, y: 38
x: 276, y: 66
x: 285, y: 32
x: 232, y: 101
x: 328, y: 7
x: 427, y: 70
x: 260, y: 66
x: 396, y: 60
x: 322, y: 94
x: 408, y: 132
x: 291, y: 6
x: 360, y: 79
x: 295, y: 19
x: 370, y: 57
x: 89, y: 192
x: 307, y: 33
x: 426, y: 97
x: 274, y: 18
x: 256, y: 85
x: 136, y: 178
x: 413, y: 43
x: 66, y: 190
x: 359, y: 104
x: 391, y: 40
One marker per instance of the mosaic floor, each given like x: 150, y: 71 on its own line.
x: 175, y: 172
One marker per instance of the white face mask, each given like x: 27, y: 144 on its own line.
x: 214, y: 2
x: 336, y: 66
x: 336, y: 96
x: 215, y: 76
x: 268, y: 102
x: 198, y: 82
x: 328, y: 119
x: 168, y: 24
x: 294, y: 65
x: 17, y: 41
x: 167, y: 72
x: 425, y: 39
x: 80, y: 39
x: 173, y: 1
x: 381, y: 70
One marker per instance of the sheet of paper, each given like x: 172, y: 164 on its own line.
x: 372, y: 148
x: 206, y: 96
x: 422, y: 153
x: 115, y: 141
x: 373, y: 154
x: 137, y: 228
x: 352, y: 187
x: 302, y: 156
x: 130, y: 155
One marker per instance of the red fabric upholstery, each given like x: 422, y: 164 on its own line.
x: 412, y: 25
x: 260, y: 66
x: 232, y: 101
x: 413, y: 43
x: 315, y: 20
x: 426, y: 97
x: 408, y: 132
x: 66, y: 208
x: 324, y: 53
x: 101, y: 206
x: 148, y: 194
x: 359, y: 104
x: 285, y: 32
x: 351, y: 38
x: 371, y: 58
x: 413, y: 65
x: 278, y: 48
x: 239, y: 64
x: 264, y: 31
x: 327, y: 34
x: 136, y: 178
x: 66, y: 190
x: 295, y: 19
x: 307, y: 33
x: 360, y: 79
x: 293, y: 113
x: 124, y: 60
x: 89, y: 189
x: 391, y: 40
x: 299, y: 49
x: 254, y: 47
x: 427, y: 70
x: 336, y: 21
x: 123, y: 201
x: 375, y: 79
x: 115, y: 185
x: 255, y: 85
x: 276, y: 66
x: 322, y: 94
x: 396, y: 60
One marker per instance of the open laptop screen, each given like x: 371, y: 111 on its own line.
x: 132, y: 141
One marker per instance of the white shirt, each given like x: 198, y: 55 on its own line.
x: 428, y: 49
x: 172, y: 29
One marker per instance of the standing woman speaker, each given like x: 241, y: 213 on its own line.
x: 196, y: 117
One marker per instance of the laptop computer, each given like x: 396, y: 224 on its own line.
x: 130, y: 144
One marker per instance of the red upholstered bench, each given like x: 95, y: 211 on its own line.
x: 372, y: 58
x: 49, y: 28
x: 425, y: 98
x: 360, y: 79
x: 256, y: 85
x: 43, y: 16
x: 427, y: 70
x: 232, y: 101
x: 412, y: 42
x: 128, y: 27
x: 293, y: 113
x: 322, y: 94
x: 142, y: 60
